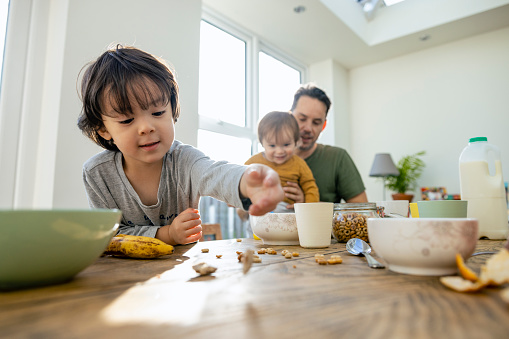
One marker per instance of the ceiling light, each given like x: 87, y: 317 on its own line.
x: 299, y: 9
x: 369, y: 7
x: 425, y: 37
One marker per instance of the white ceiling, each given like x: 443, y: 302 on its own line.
x: 348, y: 37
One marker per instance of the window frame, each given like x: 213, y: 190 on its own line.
x: 254, y: 45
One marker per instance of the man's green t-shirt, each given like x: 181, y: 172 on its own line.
x: 335, y: 174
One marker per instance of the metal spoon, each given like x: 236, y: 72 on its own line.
x: 357, y: 246
x: 481, y: 253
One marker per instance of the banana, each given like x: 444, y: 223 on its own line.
x: 135, y: 246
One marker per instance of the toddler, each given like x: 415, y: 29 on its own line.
x: 278, y: 132
x: 130, y: 107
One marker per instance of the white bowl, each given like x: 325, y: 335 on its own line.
x: 276, y: 228
x: 423, y: 246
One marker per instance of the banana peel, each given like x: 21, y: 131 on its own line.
x: 136, y: 246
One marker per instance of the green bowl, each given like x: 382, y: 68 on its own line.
x: 442, y: 208
x: 43, y: 247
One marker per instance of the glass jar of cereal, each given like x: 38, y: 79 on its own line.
x: 350, y: 220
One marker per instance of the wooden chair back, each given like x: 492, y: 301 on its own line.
x: 211, y: 232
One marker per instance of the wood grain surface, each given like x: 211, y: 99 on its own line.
x: 277, y: 298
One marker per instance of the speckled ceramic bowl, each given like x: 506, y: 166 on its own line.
x: 43, y: 247
x: 423, y: 246
x: 276, y: 228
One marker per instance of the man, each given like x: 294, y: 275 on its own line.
x: 335, y: 173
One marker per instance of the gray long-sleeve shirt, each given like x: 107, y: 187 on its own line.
x: 187, y: 174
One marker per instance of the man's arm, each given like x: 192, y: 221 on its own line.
x: 359, y: 198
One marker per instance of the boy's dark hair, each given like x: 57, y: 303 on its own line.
x: 274, y: 123
x: 312, y: 91
x: 117, y: 75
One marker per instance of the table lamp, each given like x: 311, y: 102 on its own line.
x: 383, y: 166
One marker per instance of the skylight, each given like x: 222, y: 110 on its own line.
x: 391, y: 2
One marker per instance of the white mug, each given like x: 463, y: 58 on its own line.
x: 314, y: 223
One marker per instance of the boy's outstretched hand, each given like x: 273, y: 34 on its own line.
x: 261, y: 184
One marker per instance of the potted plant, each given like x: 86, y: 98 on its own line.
x: 410, y: 169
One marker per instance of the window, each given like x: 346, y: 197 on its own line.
x: 222, y: 76
x: 4, y: 11
x: 241, y: 79
x: 277, y: 85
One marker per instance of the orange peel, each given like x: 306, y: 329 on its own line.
x: 461, y: 285
x: 465, y: 271
x: 495, y: 272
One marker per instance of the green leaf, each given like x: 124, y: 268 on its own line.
x: 410, y: 170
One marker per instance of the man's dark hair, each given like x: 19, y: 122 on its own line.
x: 312, y: 91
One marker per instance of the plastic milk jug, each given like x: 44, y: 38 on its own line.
x: 482, y: 186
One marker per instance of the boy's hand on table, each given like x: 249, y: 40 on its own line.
x: 262, y: 185
x: 186, y: 227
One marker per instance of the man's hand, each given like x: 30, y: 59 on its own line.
x: 294, y: 192
x: 262, y: 185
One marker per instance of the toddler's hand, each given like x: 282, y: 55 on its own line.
x: 186, y: 227
x: 262, y: 185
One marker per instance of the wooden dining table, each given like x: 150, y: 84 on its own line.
x: 277, y: 298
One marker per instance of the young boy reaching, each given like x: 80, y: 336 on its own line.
x: 130, y: 105
x: 278, y: 132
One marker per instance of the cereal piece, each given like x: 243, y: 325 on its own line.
x: 505, y: 295
x: 465, y: 272
x: 262, y: 251
x: 294, y: 266
x: 257, y: 260
x: 238, y: 252
x: 204, y: 269
x: 218, y: 256
x: 284, y: 252
x: 239, y: 240
x: 321, y: 261
x: 288, y: 255
x: 204, y: 250
x: 319, y: 257
x: 295, y: 254
x: 247, y: 259
x: 273, y: 252
x: 334, y: 261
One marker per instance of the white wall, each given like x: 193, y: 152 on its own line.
x: 433, y: 100
x: 77, y: 32
x: 333, y: 79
